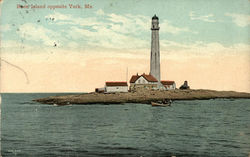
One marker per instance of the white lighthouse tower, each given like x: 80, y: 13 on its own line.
x: 155, y: 50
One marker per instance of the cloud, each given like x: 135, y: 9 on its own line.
x: 5, y: 28
x: 241, y: 20
x: 110, y: 30
x: 205, y: 18
x: 38, y: 33
x: 67, y: 19
x: 15, y: 46
x: 129, y: 24
x: 114, y: 31
x: 72, y: 45
x: 166, y: 26
x: 121, y: 23
x: 100, y: 12
x: 23, y: 47
x: 104, y: 37
x: 201, y: 49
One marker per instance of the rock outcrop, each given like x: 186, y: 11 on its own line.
x: 185, y: 85
x: 140, y: 97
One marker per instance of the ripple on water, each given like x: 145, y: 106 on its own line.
x: 189, y: 128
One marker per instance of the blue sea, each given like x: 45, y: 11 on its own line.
x: 209, y: 128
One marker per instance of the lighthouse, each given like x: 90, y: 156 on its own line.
x: 155, y: 50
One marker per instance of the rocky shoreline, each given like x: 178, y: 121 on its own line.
x: 140, y: 97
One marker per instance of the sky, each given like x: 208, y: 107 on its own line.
x: 52, y: 49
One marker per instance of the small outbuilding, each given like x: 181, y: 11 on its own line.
x: 169, y: 85
x: 100, y: 90
x: 114, y: 87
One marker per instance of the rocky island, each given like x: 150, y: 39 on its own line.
x: 141, y: 97
x: 143, y: 88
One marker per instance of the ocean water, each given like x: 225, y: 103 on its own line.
x: 216, y: 128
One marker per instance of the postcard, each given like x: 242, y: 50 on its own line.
x: 125, y: 78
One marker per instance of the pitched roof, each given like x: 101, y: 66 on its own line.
x: 149, y: 78
x: 167, y: 82
x: 134, y: 78
x: 116, y: 83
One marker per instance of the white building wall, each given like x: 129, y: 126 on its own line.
x: 170, y: 87
x: 141, y: 80
x: 113, y: 89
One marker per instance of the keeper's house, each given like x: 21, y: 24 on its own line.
x: 114, y: 87
x: 144, y: 81
x: 169, y: 85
